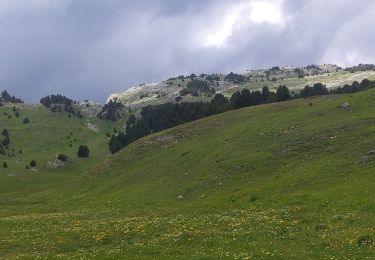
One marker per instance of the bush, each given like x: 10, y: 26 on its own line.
x: 62, y: 157
x: 26, y: 121
x: 195, y: 87
x: 6, y: 141
x: 83, y: 151
x: 235, y: 78
x: 5, y: 132
x: 33, y: 163
x: 5, y: 165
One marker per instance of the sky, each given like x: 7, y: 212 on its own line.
x: 89, y: 49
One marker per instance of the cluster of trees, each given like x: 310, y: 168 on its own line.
x: 312, y: 67
x: 246, y: 98
x: 157, y: 118
x: 316, y: 90
x: 60, y: 103
x: 7, y: 98
x: 361, y: 67
x: 111, y: 111
x: 235, y: 78
x: 231, y: 77
x: 197, y: 86
x: 209, y: 78
x: 49, y: 101
x: 213, y: 77
x: 182, y: 77
x: 300, y: 73
x: 319, y: 89
x: 5, y: 141
x: 354, y: 87
x: 31, y: 164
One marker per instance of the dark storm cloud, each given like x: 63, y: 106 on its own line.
x: 92, y: 48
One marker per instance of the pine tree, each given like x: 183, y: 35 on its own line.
x: 83, y: 151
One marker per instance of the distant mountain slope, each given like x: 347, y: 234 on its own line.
x: 48, y: 134
x: 293, y: 77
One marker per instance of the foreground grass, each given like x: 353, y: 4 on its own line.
x: 292, y: 232
x: 289, y: 180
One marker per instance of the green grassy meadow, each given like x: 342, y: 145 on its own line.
x: 290, y: 180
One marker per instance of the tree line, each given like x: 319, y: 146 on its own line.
x: 160, y: 117
x: 361, y: 67
x: 60, y: 103
x: 111, y: 111
x: 53, y: 100
x: 197, y: 86
x: 7, y: 98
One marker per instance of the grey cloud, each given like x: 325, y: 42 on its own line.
x: 92, y: 48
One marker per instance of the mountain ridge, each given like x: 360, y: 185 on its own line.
x: 294, y: 77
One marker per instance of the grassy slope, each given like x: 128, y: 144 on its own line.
x: 278, y: 180
x: 42, y: 139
